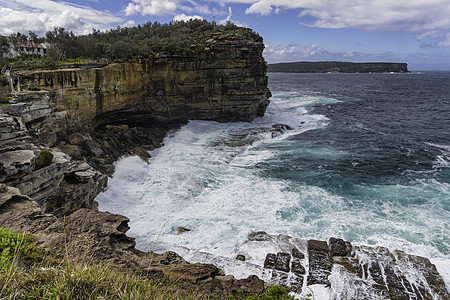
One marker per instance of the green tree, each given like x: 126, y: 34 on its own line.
x: 62, y: 43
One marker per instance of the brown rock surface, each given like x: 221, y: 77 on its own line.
x: 224, y: 82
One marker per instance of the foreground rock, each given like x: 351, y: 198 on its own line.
x: 342, y: 270
x: 88, y: 235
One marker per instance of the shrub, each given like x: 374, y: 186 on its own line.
x: 35, y: 88
x: 12, y: 243
x: 44, y: 159
x: 273, y: 293
x: 3, y: 80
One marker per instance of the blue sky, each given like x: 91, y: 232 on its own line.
x: 412, y: 31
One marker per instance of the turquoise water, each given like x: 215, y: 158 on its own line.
x: 366, y: 158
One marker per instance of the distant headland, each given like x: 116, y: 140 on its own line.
x: 338, y: 67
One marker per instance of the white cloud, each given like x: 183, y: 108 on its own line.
x: 129, y: 23
x: 183, y: 17
x: 150, y: 7
x: 261, y: 7
x: 43, y: 15
x: 294, y: 52
x: 228, y: 18
x: 423, y: 18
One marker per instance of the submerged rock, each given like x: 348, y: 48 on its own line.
x: 179, y: 230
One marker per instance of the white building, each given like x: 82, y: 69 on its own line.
x: 28, y: 47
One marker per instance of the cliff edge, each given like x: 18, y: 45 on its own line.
x: 224, y: 81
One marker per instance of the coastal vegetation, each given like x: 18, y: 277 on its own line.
x: 44, y: 159
x: 27, y: 274
x: 121, y: 43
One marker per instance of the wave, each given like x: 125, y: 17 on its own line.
x: 214, y: 179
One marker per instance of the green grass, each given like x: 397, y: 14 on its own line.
x: 26, y: 274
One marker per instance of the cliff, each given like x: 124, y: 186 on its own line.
x: 90, y: 117
x: 225, y: 81
x: 338, y: 67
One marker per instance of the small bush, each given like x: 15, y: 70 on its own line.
x: 273, y: 293
x: 11, y: 243
x: 3, y: 80
x: 35, y: 88
x: 44, y: 159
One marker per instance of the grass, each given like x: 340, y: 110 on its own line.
x: 25, y: 274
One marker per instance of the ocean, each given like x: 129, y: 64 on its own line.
x: 362, y: 157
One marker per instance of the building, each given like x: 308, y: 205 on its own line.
x: 27, y: 47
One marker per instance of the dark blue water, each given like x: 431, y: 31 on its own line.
x: 366, y: 159
x: 395, y: 129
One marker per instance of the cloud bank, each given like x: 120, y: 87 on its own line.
x: 43, y: 15
x: 426, y: 19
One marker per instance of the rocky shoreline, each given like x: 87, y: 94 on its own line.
x: 89, y: 118
x: 100, y: 236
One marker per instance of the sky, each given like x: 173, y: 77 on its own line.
x: 413, y: 31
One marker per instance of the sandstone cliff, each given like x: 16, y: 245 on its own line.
x: 89, y: 117
x: 225, y: 81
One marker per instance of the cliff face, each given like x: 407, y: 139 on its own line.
x: 338, y: 67
x: 226, y: 81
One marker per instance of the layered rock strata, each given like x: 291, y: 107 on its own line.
x: 344, y: 271
x: 88, y: 118
x: 225, y: 81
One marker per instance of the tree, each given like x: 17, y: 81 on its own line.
x: 17, y: 40
x: 34, y: 38
x: 4, y: 46
x: 62, y: 43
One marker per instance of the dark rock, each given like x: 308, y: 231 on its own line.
x: 280, y: 278
x: 317, y: 245
x: 259, y: 236
x: 251, y: 285
x: 169, y: 258
x: 240, y: 257
x: 297, y: 254
x: 320, y: 263
x: 297, y: 267
x: 339, y: 247
x: 20, y: 213
x: 142, y: 153
x: 179, y: 230
x: 71, y: 150
x: 78, y: 139
x: 269, y: 262
x: 282, y: 262
x: 296, y: 284
x: 191, y: 272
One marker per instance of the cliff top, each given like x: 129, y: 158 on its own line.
x: 132, y: 42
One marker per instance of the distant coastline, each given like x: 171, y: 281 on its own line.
x: 338, y: 67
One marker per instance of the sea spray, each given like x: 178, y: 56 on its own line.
x: 356, y: 162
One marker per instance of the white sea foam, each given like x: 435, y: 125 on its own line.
x: 202, y: 180
x: 442, y: 161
